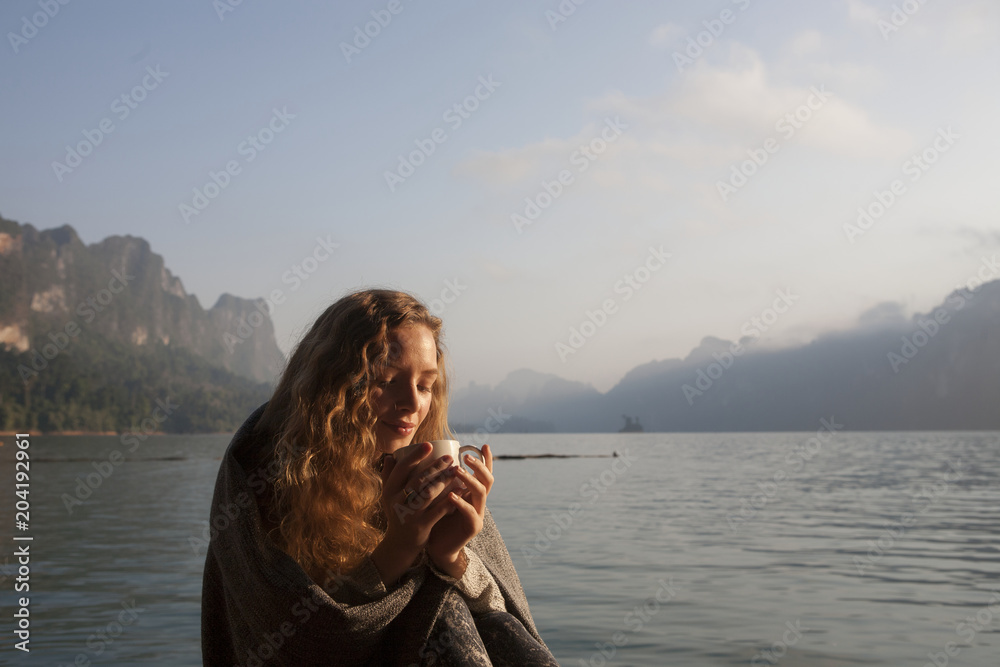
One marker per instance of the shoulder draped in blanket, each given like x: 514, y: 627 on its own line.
x: 259, y: 607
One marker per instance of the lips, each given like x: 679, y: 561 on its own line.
x: 402, y: 428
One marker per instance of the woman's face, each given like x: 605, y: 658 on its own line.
x: 403, y: 394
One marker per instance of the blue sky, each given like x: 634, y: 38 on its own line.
x: 804, y: 112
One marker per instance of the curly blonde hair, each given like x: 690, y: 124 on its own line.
x: 326, y: 493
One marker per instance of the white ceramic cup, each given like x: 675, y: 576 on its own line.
x: 451, y: 448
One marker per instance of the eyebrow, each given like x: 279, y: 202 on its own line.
x: 428, y: 371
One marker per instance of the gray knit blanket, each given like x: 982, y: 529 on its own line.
x: 259, y: 607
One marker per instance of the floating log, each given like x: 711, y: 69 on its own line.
x: 556, y: 456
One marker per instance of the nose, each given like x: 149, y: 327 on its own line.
x: 405, y: 398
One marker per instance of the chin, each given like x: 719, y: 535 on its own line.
x: 390, y: 440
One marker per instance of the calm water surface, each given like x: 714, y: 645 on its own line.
x: 853, y: 549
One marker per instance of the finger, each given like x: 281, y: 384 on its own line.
x: 461, y: 505
x: 420, y: 497
x: 482, y: 472
x: 388, y: 463
x: 431, y: 473
x: 418, y: 454
x: 488, y: 455
x: 453, y: 484
x: 402, y: 469
x: 438, y: 510
x: 476, y: 490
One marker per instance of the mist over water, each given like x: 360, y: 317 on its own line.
x: 871, y: 548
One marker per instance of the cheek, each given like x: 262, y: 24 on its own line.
x: 380, y: 401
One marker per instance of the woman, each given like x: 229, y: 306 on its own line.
x: 330, y: 551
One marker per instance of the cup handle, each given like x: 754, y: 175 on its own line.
x: 472, y: 448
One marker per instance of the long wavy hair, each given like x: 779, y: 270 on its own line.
x: 326, y: 493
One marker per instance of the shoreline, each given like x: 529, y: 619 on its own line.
x: 4, y: 434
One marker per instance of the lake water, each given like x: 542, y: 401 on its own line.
x: 851, y: 549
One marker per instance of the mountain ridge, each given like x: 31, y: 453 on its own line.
x: 137, y: 335
x: 92, y: 335
x: 933, y: 371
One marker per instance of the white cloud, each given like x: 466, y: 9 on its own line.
x: 740, y: 101
x: 861, y: 11
x: 665, y: 35
x: 806, y: 43
x: 972, y: 27
x: 514, y: 165
x: 711, y: 118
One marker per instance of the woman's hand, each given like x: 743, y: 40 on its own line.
x: 464, y: 518
x: 408, y: 504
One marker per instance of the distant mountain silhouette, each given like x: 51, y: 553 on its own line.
x: 478, y: 406
x: 90, y: 335
x: 937, y: 371
x: 49, y: 276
